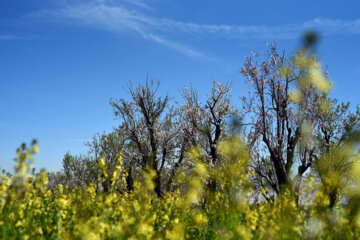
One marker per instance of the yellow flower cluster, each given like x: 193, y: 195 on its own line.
x: 30, y: 210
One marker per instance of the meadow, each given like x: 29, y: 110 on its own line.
x: 30, y: 210
x: 220, y: 189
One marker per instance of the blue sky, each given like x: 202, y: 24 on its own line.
x: 61, y: 61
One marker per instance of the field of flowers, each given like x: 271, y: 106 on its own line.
x: 209, y: 201
x: 30, y: 210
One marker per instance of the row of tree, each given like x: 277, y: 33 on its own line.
x: 287, y: 131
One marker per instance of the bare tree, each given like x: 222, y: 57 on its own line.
x: 147, y: 122
x: 275, y: 125
x: 204, y: 125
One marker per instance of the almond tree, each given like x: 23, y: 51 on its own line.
x: 149, y: 128
x: 78, y: 170
x: 204, y: 125
x: 275, y: 127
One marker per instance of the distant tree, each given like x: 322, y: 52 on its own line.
x: 335, y: 155
x: 56, y: 178
x: 148, y: 127
x: 205, y: 124
x: 108, y: 146
x: 78, y: 170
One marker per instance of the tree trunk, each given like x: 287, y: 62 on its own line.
x: 129, y: 181
x: 173, y: 171
x: 298, y: 179
x: 332, y: 198
x: 281, y: 175
x: 157, y: 181
x: 211, y: 184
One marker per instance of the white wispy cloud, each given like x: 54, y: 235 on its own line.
x: 116, y: 19
x: 8, y: 37
x: 331, y: 26
x: 288, y: 31
x: 122, y: 18
x: 140, y: 4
